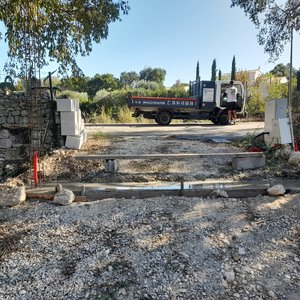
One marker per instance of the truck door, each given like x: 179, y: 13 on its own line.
x: 208, y: 95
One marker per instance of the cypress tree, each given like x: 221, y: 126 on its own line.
x: 220, y: 75
x: 233, y: 69
x: 197, y: 71
x: 214, y: 70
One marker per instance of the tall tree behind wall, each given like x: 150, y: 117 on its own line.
x: 214, y: 70
x: 233, y: 69
x: 197, y: 70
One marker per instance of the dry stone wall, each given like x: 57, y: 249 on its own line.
x: 17, y: 114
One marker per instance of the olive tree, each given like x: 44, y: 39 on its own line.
x: 56, y: 30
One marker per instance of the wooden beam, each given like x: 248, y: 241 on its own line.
x: 45, y: 196
x: 167, y: 156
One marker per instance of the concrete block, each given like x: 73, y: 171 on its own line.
x: 74, y: 142
x: 111, y: 166
x: 76, y: 104
x: 69, y: 117
x: 66, y: 105
x: 82, y: 124
x: 246, y: 163
x: 84, y: 132
x: 69, y: 129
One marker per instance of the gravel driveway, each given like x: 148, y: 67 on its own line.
x: 159, y: 248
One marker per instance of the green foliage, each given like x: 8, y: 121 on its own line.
x: 178, y: 90
x: 274, y: 20
x: 100, y: 95
x: 214, y: 70
x: 233, y: 69
x: 281, y: 70
x: 256, y: 105
x: 81, y: 97
x: 277, y: 91
x: 242, y: 76
x: 125, y: 115
x: 78, y: 84
x: 148, y: 85
x: 220, y: 75
x: 101, y: 82
x: 197, y: 70
x: 128, y: 79
x: 156, y: 74
x: 58, y: 29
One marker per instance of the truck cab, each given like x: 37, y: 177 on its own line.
x: 212, y: 99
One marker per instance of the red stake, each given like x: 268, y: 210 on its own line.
x: 35, y: 168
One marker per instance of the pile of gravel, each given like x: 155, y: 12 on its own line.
x: 159, y: 248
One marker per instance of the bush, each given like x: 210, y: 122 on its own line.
x: 81, y: 97
x: 256, y: 104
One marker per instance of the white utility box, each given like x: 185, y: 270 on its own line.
x: 274, y: 109
x: 281, y: 133
x: 277, y: 122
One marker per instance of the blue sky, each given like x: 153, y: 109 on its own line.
x: 174, y: 35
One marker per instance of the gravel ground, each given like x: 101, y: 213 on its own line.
x: 159, y: 248
x: 62, y: 165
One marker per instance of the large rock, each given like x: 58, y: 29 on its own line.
x: 276, y: 190
x: 12, y: 196
x: 294, y: 158
x: 64, y: 197
x: 219, y: 193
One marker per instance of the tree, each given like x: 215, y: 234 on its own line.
x: 281, y: 70
x: 220, y: 75
x: 275, y: 22
x: 214, y: 70
x: 233, y: 69
x: 256, y: 104
x: 78, y: 84
x: 58, y: 30
x: 157, y: 74
x: 102, y: 82
x: 242, y: 76
x: 129, y: 78
x: 197, y: 70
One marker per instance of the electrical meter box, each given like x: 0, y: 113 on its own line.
x: 274, y: 109
x: 277, y: 122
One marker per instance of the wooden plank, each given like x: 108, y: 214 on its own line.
x: 46, y: 196
x: 167, y: 156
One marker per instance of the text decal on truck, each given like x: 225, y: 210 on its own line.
x: 178, y: 102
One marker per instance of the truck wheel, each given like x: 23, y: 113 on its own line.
x: 223, y: 119
x: 164, y: 118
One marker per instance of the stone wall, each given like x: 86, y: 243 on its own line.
x: 17, y: 114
